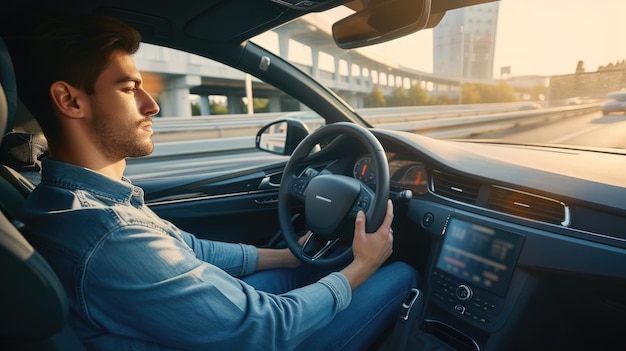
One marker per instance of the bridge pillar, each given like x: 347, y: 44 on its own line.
x: 315, y: 59
x: 351, y: 98
x: 175, y: 96
x: 360, y: 100
x: 205, y: 107
x: 234, y: 104
x: 274, y: 104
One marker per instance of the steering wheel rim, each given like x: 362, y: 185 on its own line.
x: 332, y: 201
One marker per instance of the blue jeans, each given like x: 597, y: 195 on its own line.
x: 374, y: 307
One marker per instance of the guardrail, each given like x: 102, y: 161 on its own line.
x: 469, y: 126
x: 177, y: 135
x: 234, y: 125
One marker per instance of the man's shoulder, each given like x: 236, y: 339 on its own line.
x: 51, y: 197
x: 59, y: 212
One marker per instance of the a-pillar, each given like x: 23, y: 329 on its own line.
x: 175, y: 96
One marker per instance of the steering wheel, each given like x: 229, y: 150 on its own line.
x: 332, y: 201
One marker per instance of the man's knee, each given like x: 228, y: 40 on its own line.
x: 400, y: 274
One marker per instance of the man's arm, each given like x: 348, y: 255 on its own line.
x: 276, y: 258
x: 161, y: 282
x: 370, y: 251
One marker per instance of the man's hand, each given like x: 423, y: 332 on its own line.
x: 370, y: 250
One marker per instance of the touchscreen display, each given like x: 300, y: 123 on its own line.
x: 484, y: 257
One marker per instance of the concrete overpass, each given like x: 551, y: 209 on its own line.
x: 175, y: 76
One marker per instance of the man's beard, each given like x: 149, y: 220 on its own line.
x: 118, y: 142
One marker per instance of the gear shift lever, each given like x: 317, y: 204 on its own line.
x: 410, y: 317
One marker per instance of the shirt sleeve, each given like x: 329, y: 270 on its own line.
x: 235, y: 259
x: 185, y: 302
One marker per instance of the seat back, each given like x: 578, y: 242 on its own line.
x: 13, y: 153
x: 33, y: 304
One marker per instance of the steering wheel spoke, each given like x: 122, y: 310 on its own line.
x: 315, y: 247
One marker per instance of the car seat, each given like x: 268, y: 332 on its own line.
x: 19, y: 152
x: 33, y: 304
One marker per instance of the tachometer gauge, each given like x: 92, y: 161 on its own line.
x: 364, y: 171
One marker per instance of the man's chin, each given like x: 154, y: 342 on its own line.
x: 144, y: 149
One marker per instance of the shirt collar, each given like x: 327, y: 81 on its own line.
x: 79, y: 178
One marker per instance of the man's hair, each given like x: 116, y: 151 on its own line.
x: 71, y: 48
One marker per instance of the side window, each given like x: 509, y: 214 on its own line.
x: 201, y: 99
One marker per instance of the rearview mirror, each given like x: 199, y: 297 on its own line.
x: 281, y: 137
x: 380, y: 21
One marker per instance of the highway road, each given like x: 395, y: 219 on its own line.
x: 591, y: 129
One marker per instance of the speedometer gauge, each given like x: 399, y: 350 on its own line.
x: 414, y: 178
x: 364, y: 171
x: 409, y: 175
x: 414, y: 175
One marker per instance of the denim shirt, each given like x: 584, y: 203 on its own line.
x: 137, y: 282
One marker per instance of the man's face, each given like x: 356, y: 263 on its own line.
x: 121, y: 110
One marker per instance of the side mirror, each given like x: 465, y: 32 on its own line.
x: 281, y: 137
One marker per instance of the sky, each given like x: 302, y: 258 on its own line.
x: 536, y: 37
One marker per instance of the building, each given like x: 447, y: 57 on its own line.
x: 464, y: 42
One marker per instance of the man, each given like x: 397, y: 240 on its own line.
x: 137, y: 282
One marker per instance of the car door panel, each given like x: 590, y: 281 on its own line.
x: 235, y: 207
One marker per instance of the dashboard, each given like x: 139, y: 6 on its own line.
x: 520, y: 238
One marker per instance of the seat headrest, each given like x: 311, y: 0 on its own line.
x: 23, y: 151
x: 9, y: 85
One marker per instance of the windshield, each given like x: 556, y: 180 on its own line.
x: 523, y: 71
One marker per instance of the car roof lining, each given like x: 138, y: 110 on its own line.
x: 212, y: 22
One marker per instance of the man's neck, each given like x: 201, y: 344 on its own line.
x: 99, y: 163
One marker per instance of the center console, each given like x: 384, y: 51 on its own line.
x: 473, y: 270
x: 472, y: 284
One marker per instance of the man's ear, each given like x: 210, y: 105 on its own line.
x: 67, y: 99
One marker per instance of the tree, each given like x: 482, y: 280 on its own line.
x: 443, y: 99
x: 418, y: 96
x: 484, y: 93
x: 259, y: 105
x: 195, y: 109
x: 470, y: 94
x: 376, y: 98
x: 217, y: 109
x: 415, y: 96
x: 399, y: 97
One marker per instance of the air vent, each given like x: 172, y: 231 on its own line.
x: 528, y: 205
x: 455, y: 187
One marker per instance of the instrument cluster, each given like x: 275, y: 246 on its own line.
x: 404, y: 174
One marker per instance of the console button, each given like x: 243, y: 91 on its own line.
x: 463, y: 292
x: 428, y: 219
